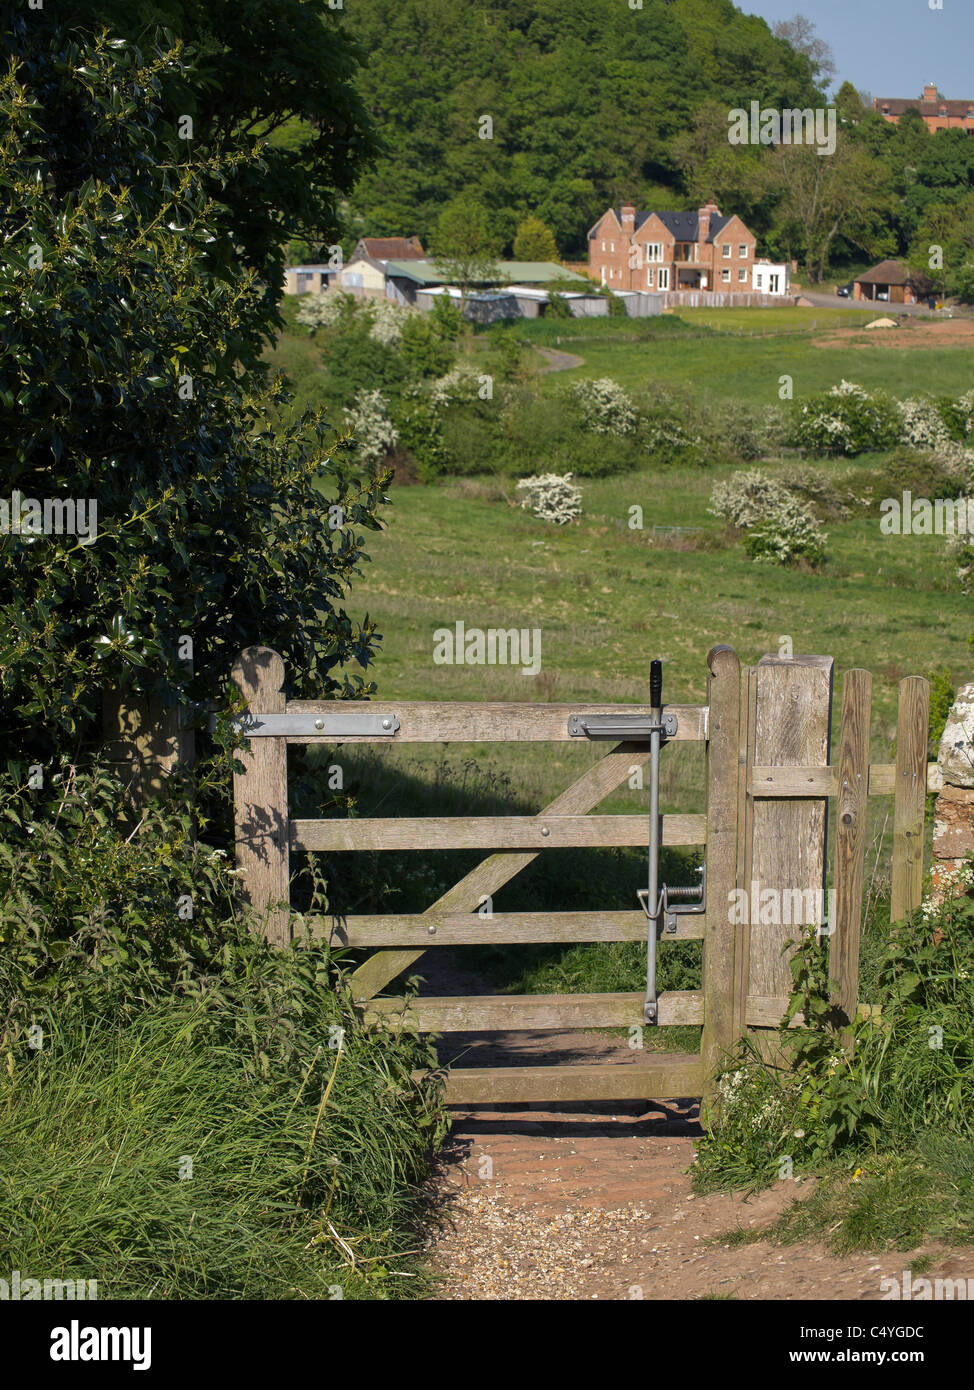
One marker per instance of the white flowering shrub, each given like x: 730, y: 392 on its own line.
x: 372, y: 429
x: 387, y: 320
x: 747, y: 497
x: 847, y: 419
x: 459, y: 386
x: 552, y: 497
x: 964, y: 410
x: 604, y: 406
x: 325, y: 309
x: 786, y: 535
x: 960, y: 557
x: 922, y: 425
x: 779, y: 527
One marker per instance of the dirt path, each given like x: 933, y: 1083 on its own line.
x: 593, y: 1201
x: 559, y: 361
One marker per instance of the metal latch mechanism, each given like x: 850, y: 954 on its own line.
x: 660, y: 901
x: 683, y: 900
x: 634, y: 728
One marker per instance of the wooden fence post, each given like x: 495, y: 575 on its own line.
x: 785, y: 849
x: 722, y: 1019
x: 260, y: 811
x: 852, y: 798
x: 145, y: 738
x: 909, y: 796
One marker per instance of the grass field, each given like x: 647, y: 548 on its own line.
x: 713, y: 350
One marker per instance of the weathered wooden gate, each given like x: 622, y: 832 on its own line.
x: 769, y: 781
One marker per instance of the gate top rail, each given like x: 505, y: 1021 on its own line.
x: 462, y: 721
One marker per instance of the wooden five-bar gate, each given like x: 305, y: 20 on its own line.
x: 769, y: 781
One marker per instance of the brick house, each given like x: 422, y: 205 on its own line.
x: 661, y: 252
x: 937, y: 113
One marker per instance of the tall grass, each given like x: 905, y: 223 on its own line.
x: 248, y: 1143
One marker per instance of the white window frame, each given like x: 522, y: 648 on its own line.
x: 725, y: 251
x: 663, y: 279
x: 654, y: 251
x: 742, y: 275
x: 742, y: 251
x: 725, y: 275
x: 649, y: 277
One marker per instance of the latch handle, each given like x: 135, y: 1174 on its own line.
x: 655, y: 684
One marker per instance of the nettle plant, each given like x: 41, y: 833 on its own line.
x: 552, y: 497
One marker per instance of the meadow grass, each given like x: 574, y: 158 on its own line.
x: 741, y: 354
x: 166, y: 1159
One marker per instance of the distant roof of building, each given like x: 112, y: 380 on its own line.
x: 894, y: 273
x: 392, y: 248
x: 685, y: 226
x: 327, y: 269
x: 895, y: 106
x: 425, y: 272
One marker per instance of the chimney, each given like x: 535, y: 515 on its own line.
x: 703, y: 216
x: 628, y: 219
x: 930, y: 92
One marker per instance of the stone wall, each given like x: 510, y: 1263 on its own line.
x: 953, y: 819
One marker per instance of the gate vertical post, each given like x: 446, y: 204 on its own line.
x: 909, y: 796
x: 260, y: 812
x: 789, y: 726
x: 852, y: 796
x: 722, y: 1021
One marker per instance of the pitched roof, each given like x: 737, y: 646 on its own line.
x: 895, y: 106
x: 685, y: 226
x: 894, y: 273
x: 392, y: 248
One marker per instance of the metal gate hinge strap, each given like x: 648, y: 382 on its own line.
x: 316, y: 725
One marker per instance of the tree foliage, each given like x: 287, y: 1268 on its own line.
x: 280, y: 73
x: 129, y: 375
x: 584, y: 100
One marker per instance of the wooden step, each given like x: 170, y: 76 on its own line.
x: 503, y: 1012
x: 668, y: 1076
